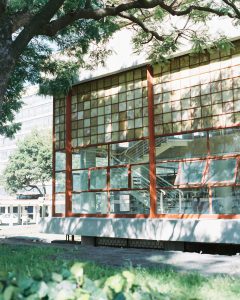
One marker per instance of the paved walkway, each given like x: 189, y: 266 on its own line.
x: 205, y: 264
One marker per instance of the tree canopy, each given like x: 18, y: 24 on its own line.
x: 30, y: 166
x: 31, y: 31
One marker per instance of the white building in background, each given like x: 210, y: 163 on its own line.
x: 36, y: 113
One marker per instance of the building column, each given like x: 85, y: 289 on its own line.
x: 11, y: 216
x: 152, y: 162
x: 37, y: 213
x: 19, y: 214
x: 68, y: 199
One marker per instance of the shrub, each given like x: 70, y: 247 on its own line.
x: 73, y: 284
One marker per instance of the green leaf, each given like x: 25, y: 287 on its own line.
x: 43, y: 290
x: 9, y: 292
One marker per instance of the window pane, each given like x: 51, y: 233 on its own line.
x: 190, y: 172
x: 119, y: 178
x: 80, y: 180
x: 90, y: 157
x: 98, y: 179
x: 226, y: 200
x: 140, y: 176
x: 126, y: 202
x: 178, y: 201
x: 60, y: 161
x: 59, y: 204
x: 222, y: 170
x: 181, y: 146
x: 60, y: 182
x: 129, y: 152
x: 166, y: 173
x: 224, y: 141
x: 89, y: 202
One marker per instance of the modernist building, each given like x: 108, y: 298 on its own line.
x: 151, y: 152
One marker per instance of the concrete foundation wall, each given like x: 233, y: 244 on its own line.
x: 185, y: 230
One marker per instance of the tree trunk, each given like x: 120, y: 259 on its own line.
x: 7, y: 61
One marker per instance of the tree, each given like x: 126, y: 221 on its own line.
x: 31, y: 31
x: 31, y: 165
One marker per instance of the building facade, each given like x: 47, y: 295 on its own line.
x: 151, y: 152
x: 36, y: 113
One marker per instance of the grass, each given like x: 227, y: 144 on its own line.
x: 27, y: 260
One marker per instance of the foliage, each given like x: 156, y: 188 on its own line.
x: 46, y: 42
x: 74, y: 284
x: 36, y: 269
x: 31, y: 164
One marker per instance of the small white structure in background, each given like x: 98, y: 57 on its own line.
x: 24, y: 211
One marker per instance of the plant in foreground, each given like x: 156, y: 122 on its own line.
x: 73, y: 284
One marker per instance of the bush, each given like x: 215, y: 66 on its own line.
x: 73, y: 284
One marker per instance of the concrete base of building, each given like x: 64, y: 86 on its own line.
x: 172, y: 230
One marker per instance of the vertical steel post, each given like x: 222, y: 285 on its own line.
x: 68, y: 199
x: 152, y: 161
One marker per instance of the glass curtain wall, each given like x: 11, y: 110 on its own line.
x: 111, y: 178
x: 59, y: 184
x: 203, y: 181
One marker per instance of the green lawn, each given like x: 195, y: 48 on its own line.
x: 29, y: 261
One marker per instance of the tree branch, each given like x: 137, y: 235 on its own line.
x: 40, y: 19
x: 142, y: 25
x: 233, y: 6
x: 55, y: 26
x: 20, y: 20
x: 3, y: 4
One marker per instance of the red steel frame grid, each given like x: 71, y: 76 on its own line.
x: 68, y: 201
x: 153, y: 190
x: 53, y: 168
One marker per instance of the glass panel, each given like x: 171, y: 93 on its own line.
x: 60, y: 161
x: 129, y: 152
x: 90, y: 157
x: 130, y: 202
x: 181, y: 146
x: 59, y: 204
x: 226, y: 200
x: 80, y: 180
x: 178, y: 201
x: 90, y: 202
x: 119, y: 178
x: 60, y: 182
x: 166, y: 173
x: 190, y: 172
x: 224, y: 141
x: 222, y: 170
x: 140, y: 176
x: 98, y: 179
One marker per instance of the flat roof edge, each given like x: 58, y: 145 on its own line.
x: 132, y: 67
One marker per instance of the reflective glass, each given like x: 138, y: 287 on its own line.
x: 226, y: 200
x: 80, y: 180
x: 166, y: 173
x: 190, y: 172
x: 129, y: 152
x: 127, y: 202
x: 98, y: 179
x: 222, y: 170
x: 60, y: 161
x: 60, y: 182
x: 59, y: 203
x: 90, y: 157
x: 140, y: 176
x: 89, y: 202
x: 224, y: 141
x: 178, y: 201
x: 181, y: 146
x: 119, y: 178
